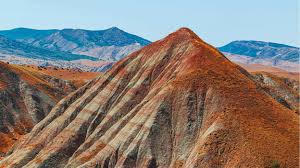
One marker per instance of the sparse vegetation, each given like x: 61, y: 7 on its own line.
x: 275, y: 164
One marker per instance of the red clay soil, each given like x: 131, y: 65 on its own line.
x: 177, y: 102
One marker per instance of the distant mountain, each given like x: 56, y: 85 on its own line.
x: 260, y: 49
x: 26, y: 34
x: 16, y: 48
x: 266, y: 53
x: 111, y: 44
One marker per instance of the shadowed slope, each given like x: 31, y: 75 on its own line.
x: 177, y: 102
x: 28, y: 93
x: 26, y: 97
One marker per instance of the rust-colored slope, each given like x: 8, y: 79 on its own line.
x: 290, y: 75
x: 75, y: 76
x: 27, y: 95
x: 260, y: 67
x: 275, y: 71
x: 175, y: 103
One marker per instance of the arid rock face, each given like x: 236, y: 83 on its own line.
x: 177, y: 102
x: 25, y: 99
x: 284, y: 90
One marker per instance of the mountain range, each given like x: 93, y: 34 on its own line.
x: 111, y: 44
x: 260, y: 49
x: 177, y: 102
x: 265, y: 53
x: 77, y: 47
x: 15, y: 48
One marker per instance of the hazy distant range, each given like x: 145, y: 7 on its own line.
x: 98, y: 50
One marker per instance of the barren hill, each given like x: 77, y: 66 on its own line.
x: 177, y: 102
x: 27, y: 94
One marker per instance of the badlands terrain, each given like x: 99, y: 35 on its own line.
x: 28, y: 93
x: 177, y: 102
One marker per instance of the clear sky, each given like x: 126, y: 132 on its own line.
x: 216, y: 21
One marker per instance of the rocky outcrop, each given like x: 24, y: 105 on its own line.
x: 283, y: 90
x: 175, y: 103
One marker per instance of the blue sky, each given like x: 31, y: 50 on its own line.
x: 216, y: 21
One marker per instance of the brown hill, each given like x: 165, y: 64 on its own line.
x: 76, y: 76
x: 260, y: 67
x: 27, y: 94
x: 175, y: 103
x: 275, y: 71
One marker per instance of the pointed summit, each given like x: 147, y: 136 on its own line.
x: 185, y: 47
x: 114, y: 29
x: 177, y: 102
x: 183, y: 34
